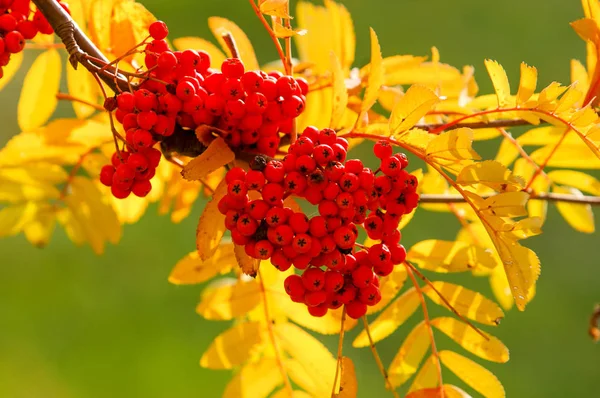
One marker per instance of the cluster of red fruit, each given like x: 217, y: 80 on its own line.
x: 248, y: 108
x: 347, y: 195
x: 16, y: 27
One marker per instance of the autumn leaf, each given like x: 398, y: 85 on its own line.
x: 228, y: 298
x: 449, y: 256
x: 255, y: 380
x: 579, y: 216
x: 275, y: 8
x: 491, y: 174
x: 340, y: 94
x: 247, y: 264
x: 500, y: 82
x: 211, y: 225
x: 375, y: 80
x: 477, y: 377
x: 348, y: 384
x: 220, y: 26
x: 527, y: 83
x: 406, y: 362
x: 213, y: 158
x: 415, y: 104
x: 453, y: 145
x: 233, y: 347
x: 191, y: 269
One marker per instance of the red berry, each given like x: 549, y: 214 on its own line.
x: 14, y: 41
x: 382, y: 149
x: 356, y: 309
x: 119, y: 192
x: 391, y: 166
x: 334, y: 281
x: 232, y: 68
x: 315, y: 298
x: 313, y: 279
x: 299, y: 223
x: 237, y: 189
x: 272, y: 193
x: 263, y: 249
x: 106, y: 175
x: 293, y: 285
x: 158, y: 30
x: 8, y: 23
x: 141, y: 188
x: 362, y: 276
x: 274, y: 172
x: 126, y: 101
x: 236, y: 173
x: 251, y: 81
x: 318, y: 311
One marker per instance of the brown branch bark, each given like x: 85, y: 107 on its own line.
x: 479, y: 125
x: 547, y: 196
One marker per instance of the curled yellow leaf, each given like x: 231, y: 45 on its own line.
x: 211, y: 225
x: 191, y: 269
x: 213, y: 158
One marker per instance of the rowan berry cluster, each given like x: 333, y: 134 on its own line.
x: 249, y: 109
x: 347, y: 195
x: 16, y: 27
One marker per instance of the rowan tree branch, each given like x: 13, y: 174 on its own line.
x: 479, y: 125
x: 546, y: 196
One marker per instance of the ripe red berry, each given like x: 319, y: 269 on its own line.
x: 318, y: 311
x: 299, y: 223
x: 106, y: 175
x: 14, y: 42
x: 293, y: 285
x: 141, y: 188
x: 382, y: 149
x: 237, y: 189
x: 232, y: 68
x: 158, y: 30
x: 313, y: 279
x: 236, y: 173
x: 370, y: 295
x: 263, y: 249
x: 362, y: 276
x: 334, y: 281
x: 315, y: 298
x: 356, y: 309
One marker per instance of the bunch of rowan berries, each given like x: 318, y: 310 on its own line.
x: 347, y: 194
x: 249, y: 109
x: 16, y: 27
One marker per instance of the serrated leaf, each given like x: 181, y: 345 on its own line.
x: 211, y: 225
x: 38, y: 95
x: 415, y: 104
x: 491, y: 348
x: 375, y: 80
x: 220, y: 26
x: 500, y: 82
x: 508, y: 204
x: 11, y: 69
x: 449, y: 256
x: 390, y: 319
x: 417, y: 139
x: 576, y: 179
x: 213, y: 158
x: 129, y: 26
x: 409, y: 356
x: 348, y: 384
x: 468, y: 303
x: 275, y: 8
x: 524, y: 228
x: 255, y: 380
x: 81, y: 84
x: 452, y: 145
x: 310, y: 353
x: 427, y: 376
x: 491, y: 174
x: 228, y: 298
x: 477, y: 377
x: 527, y: 84
x: 522, y: 268
x: 579, y: 216
x: 191, y: 269
x: 569, y: 99
x: 247, y: 264
x: 100, y: 14
x: 233, y: 347
x: 340, y: 94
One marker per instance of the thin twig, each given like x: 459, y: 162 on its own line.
x: 544, y: 196
x: 269, y: 30
x: 231, y: 44
x: 388, y: 383
x: 67, y: 97
x: 339, y: 352
x: 437, y: 127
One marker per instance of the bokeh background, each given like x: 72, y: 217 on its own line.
x: 76, y: 325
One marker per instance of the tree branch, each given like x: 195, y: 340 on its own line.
x: 478, y: 125
x: 546, y: 196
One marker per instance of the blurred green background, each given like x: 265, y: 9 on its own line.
x: 76, y: 325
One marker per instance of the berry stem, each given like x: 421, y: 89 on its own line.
x: 271, y: 34
x: 339, y: 352
x: 67, y: 97
x: 231, y: 44
x: 434, y: 351
x: 382, y: 370
x: 288, y: 45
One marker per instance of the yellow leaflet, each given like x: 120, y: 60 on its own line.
x: 389, y: 96
x: 211, y: 225
x: 195, y: 43
x: 14, y: 218
x: 295, y: 394
x: 427, y: 376
x: 38, y: 95
x: 501, y: 288
x: 341, y: 20
x: 220, y: 26
x: 415, y: 104
x: 191, y: 269
x: 276, y: 8
x: 418, y: 139
x: 247, y: 264
x: 492, y: 174
x: 585, y: 117
x: 522, y: 268
x: 524, y: 228
x: 284, y: 32
x: 579, y: 216
x: 527, y: 84
x: 393, y: 65
x: 11, y: 69
x: 500, y: 82
x: 452, y: 145
x: 390, y: 319
x: 449, y: 256
x: 81, y: 84
x: 411, y: 353
x: 348, y: 384
x: 550, y: 93
x: 228, y: 298
x: 389, y: 286
x: 579, y: 75
x: 576, y: 156
x: 30, y: 182
x: 587, y: 29
x: 318, y: 109
x: 569, y: 99
x: 131, y: 209
x: 450, y: 391
x: 576, y: 179
x: 255, y: 380
x: 39, y: 230
x: 300, y: 376
x: 507, y: 153
x: 327, y: 324
x: 129, y: 26
x: 310, y: 353
x: 375, y: 75
x: 100, y: 13
x: 508, y: 204
x: 213, y: 158
x: 491, y: 348
x: 477, y: 377
x: 340, y: 94
x: 234, y: 346
x: 466, y: 302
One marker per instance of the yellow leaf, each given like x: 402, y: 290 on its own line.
x: 211, y: 225
x: 213, y: 158
x: 220, y: 26
x: 14, y: 218
x: 255, y: 380
x: 233, y: 347
x: 527, y: 84
x: 500, y: 81
x: 579, y: 75
x: 39, y: 230
x: 427, y: 376
x: 35, y: 182
x: 501, y: 288
x: 295, y: 394
x: 491, y: 348
x: 38, y: 96
x: 195, y: 43
x: 191, y: 269
x: 415, y: 104
x: 327, y: 324
x: 100, y: 13
x: 449, y: 390
x: 522, y: 268
x: 477, y: 377
x: 507, y: 204
x: 567, y: 156
x: 275, y: 8
x: 466, y: 302
x: 310, y: 353
x: 375, y: 75
x: 340, y: 94
x: 11, y: 69
x: 390, y: 319
x: 579, y: 216
x: 449, y: 256
x: 569, y: 99
x: 576, y: 179
x: 492, y: 174
x: 550, y: 93
x: 81, y: 84
x: 228, y: 298
x: 452, y: 145
x: 411, y: 353
x: 587, y: 29
x: 247, y: 264
x: 389, y: 286
x: 348, y: 384
x: 524, y: 228
x: 507, y: 153
x: 129, y: 26
x: 131, y: 209
x: 417, y: 139
x: 283, y: 32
